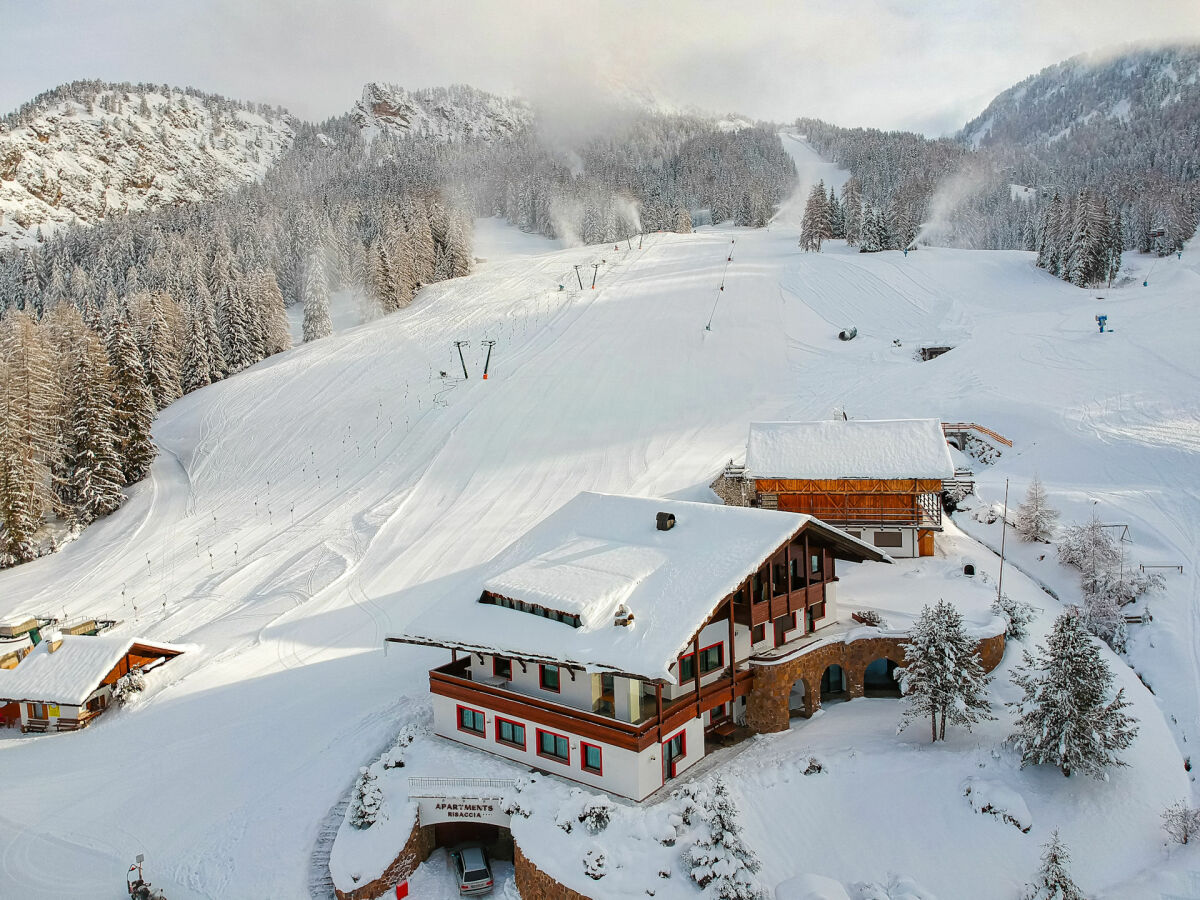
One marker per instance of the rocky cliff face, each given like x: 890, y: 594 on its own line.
x: 450, y: 114
x: 86, y: 151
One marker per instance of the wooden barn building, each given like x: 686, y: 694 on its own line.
x: 878, y: 480
x: 612, y: 644
x: 66, y: 680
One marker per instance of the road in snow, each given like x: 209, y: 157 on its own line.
x: 292, y: 502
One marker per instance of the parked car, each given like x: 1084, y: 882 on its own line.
x: 473, y: 870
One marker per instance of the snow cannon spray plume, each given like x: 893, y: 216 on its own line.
x: 951, y: 193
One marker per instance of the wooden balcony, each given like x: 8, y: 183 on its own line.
x: 453, y: 681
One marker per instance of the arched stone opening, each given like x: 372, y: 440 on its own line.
x: 834, y: 685
x: 803, y: 701
x: 879, y: 678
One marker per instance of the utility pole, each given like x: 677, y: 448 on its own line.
x: 1003, y: 535
x: 595, y: 272
x: 628, y: 243
x: 460, y: 345
x: 487, y: 362
x: 578, y: 277
x: 640, y: 240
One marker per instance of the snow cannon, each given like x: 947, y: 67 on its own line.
x: 848, y: 334
x: 139, y: 888
x: 1102, y: 321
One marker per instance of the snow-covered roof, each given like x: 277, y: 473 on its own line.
x: 601, y: 552
x: 867, y: 448
x: 70, y: 673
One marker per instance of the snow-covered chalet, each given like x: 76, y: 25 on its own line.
x: 611, y: 643
x: 880, y: 480
x: 67, y: 680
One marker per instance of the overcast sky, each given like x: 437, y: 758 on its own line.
x: 926, y: 65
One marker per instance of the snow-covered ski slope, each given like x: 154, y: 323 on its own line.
x: 292, y: 504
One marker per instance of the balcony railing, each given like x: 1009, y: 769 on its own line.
x: 453, y: 680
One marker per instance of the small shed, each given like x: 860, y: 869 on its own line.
x: 66, y: 680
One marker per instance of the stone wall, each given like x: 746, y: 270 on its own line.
x: 534, y: 884
x: 733, y: 491
x: 416, y: 850
x: 767, y: 704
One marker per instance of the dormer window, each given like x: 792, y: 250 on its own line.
x: 533, y: 609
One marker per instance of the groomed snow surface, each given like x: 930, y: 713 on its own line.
x: 291, y: 501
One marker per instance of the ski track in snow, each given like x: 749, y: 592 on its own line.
x: 292, y: 502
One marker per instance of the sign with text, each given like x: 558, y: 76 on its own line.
x: 484, y: 810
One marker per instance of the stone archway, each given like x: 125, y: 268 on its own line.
x: 769, y: 703
x: 803, y: 701
x: 878, y: 678
x: 833, y: 684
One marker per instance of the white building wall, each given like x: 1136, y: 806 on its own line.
x: 625, y: 772
x: 908, y: 536
x: 577, y: 693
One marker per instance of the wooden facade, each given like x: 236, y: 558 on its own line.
x: 914, y: 502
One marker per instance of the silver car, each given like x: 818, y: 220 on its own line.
x: 473, y: 870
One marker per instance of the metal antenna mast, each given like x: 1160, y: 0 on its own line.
x: 460, y: 345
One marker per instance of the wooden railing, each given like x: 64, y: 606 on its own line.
x: 453, y: 681
x: 949, y: 427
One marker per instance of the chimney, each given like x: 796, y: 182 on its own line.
x: 665, y: 521
x: 54, y: 640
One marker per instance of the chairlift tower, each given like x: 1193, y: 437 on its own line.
x: 460, y: 345
x: 488, y: 361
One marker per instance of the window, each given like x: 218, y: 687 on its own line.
x: 889, y: 539
x: 590, y: 758
x: 510, y: 733
x: 758, y: 633
x: 502, y: 667
x: 718, y: 712
x: 760, y: 586
x: 817, y: 610
x: 548, y: 678
x: 673, y: 750
x: 815, y: 563
x: 711, y: 659
x: 38, y: 711
x: 553, y: 746
x: 470, y: 720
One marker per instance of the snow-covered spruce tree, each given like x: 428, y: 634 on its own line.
x: 317, y: 323
x: 852, y: 212
x: 195, y: 368
x: 1017, y: 613
x: 1053, y: 881
x: 133, y: 404
x: 237, y: 338
x: 90, y: 477
x: 272, y: 313
x: 1066, y: 717
x: 1035, y: 518
x: 943, y: 677
x: 815, y: 225
x: 1181, y: 822
x: 683, y: 221
x: 366, y: 805
x: 128, y: 685
x: 720, y: 860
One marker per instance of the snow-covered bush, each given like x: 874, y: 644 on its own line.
x: 595, y: 863
x: 944, y: 678
x: 995, y: 799
x: 870, y: 617
x: 1017, y: 613
x: 131, y: 683
x: 1107, y: 582
x: 1181, y: 822
x: 720, y: 857
x: 897, y: 887
x: 814, y: 766
x: 366, y: 806
x: 595, y: 815
x: 1035, y: 517
x: 1053, y: 881
x: 1066, y: 717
